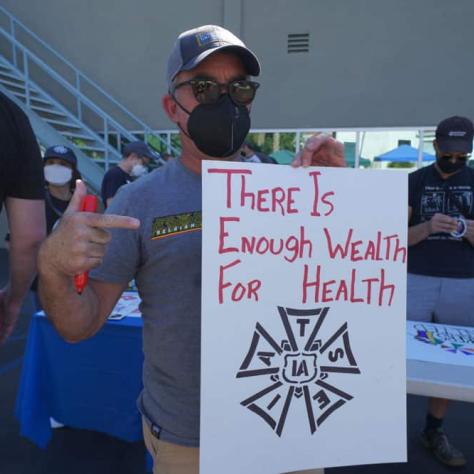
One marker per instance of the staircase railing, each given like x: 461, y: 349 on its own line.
x: 112, y: 130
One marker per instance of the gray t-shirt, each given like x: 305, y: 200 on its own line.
x: 164, y: 257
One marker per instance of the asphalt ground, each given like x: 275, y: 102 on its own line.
x: 74, y: 451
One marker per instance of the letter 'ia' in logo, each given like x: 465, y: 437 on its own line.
x: 298, y: 369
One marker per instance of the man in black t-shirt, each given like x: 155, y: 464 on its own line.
x: 22, y: 192
x: 441, y: 253
x: 136, y: 157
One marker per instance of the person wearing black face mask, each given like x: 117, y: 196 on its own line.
x: 441, y: 253
x: 155, y: 230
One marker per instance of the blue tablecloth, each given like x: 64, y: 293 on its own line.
x: 90, y: 385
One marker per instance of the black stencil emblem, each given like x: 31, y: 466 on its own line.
x: 298, y: 369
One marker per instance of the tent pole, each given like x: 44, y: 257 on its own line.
x: 357, y: 150
x: 421, y: 134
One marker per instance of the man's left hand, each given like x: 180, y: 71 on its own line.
x: 320, y: 150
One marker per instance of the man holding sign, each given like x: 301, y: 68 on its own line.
x: 153, y: 230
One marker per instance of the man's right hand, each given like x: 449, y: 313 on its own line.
x: 442, y: 223
x: 79, y: 242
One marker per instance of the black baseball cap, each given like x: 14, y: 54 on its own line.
x: 61, y: 151
x: 193, y: 46
x: 141, y: 149
x: 455, y: 134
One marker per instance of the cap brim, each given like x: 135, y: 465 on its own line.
x: 68, y: 159
x: 249, y: 60
x: 453, y: 145
x: 151, y: 156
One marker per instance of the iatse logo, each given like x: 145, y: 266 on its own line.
x: 298, y: 369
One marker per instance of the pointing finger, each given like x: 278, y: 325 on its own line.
x: 111, y: 221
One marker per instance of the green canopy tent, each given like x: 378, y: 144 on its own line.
x: 284, y: 157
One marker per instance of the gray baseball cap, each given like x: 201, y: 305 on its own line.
x: 193, y: 46
x: 140, y: 148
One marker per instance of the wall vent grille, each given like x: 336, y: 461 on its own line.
x: 298, y: 43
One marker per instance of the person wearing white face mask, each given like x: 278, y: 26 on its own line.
x: 136, y: 158
x: 60, y: 174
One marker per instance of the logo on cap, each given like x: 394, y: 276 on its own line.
x: 457, y: 134
x: 60, y: 149
x: 205, y: 38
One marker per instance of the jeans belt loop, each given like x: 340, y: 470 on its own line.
x: 156, y: 431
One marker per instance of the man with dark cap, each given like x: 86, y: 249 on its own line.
x: 136, y: 158
x: 441, y: 253
x: 209, y: 97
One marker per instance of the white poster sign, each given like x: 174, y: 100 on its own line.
x: 303, y: 318
x: 440, y: 343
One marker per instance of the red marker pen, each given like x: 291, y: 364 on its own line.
x: 89, y: 204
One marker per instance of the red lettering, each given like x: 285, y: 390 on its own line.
x: 244, y: 194
x: 315, y: 175
x: 353, y: 281
x: 222, y: 285
x: 223, y: 234
x: 278, y: 197
x: 355, y: 254
x: 369, y: 282
x: 311, y: 284
x: 229, y: 174
x: 327, y: 290
x: 342, y: 290
x: 399, y: 249
x: 384, y: 288
x: 370, y: 251
x: 291, y: 200
x: 334, y: 250
x: 248, y: 245
x: 253, y: 287
x: 262, y: 199
x: 238, y: 292
x: 325, y: 200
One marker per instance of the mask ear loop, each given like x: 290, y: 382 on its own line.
x: 184, y: 110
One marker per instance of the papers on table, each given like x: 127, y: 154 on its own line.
x: 127, y: 305
x: 440, y: 343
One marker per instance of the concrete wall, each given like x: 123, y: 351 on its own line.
x: 371, y: 62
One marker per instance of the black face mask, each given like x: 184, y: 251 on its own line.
x: 448, y: 167
x: 219, y: 129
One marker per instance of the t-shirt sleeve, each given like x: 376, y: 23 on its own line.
x: 26, y: 180
x: 122, y: 256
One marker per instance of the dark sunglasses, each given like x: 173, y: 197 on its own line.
x: 207, y: 91
x: 462, y: 158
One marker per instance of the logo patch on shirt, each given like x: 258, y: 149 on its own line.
x: 174, y: 225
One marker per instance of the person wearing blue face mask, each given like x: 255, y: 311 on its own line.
x: 440, y: 285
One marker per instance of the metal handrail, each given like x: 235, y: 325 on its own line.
x: 79, y: 76
x: 58, y: 106
x: 28, y: 55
